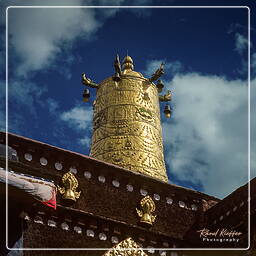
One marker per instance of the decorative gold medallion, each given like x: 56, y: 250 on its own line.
x: 70, y: 184
x: 147, y: 208
x: 126, y: 247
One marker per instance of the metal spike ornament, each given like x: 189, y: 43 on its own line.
x: 118, y: 73
x: 126, y: 120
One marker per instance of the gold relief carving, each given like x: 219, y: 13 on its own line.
x: 109, y: 86
x: 140, y: 161
x: 125, y: 115
x: 128, y: 144
x: 131, y: 101
x: 100, y: 119
x: 144, y: 113
x: 130, y: 84
x: 126, y: 163
x: 147, y: 206
x: 69, y: 188
x: 126, y: 95
x: 116, y: 157
x: 113, y: 144
x: 124, y: 143
x: 127, y: 247
x: 120, y: 113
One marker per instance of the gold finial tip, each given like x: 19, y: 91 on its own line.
x: 127, y: 59
x: 128, y: 63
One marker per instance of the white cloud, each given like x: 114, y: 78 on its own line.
x: 79, y: 118
x: 53, y: 105
x: 86, y: 141
x: 40, y: 35
x: 206, y: 141
x: 241, y: 43
x: 24, y: 94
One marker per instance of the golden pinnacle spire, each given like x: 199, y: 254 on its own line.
x: 128, y: 63
x: 126, y: 120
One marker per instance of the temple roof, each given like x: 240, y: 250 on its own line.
x: 110, y: 195
x: 176, y: 207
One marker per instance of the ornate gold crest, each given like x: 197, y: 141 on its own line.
x: 126, y: 247
x: 70, y: 184
x: 147, y: 208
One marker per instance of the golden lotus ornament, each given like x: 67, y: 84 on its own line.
x: 147, y: 208
x: 69, y: 188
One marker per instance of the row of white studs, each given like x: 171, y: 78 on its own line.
x: 115, y: 183
x: 43, y: 161
x: 228, y: 212
x: 89, y: 232
x: 143, y: 192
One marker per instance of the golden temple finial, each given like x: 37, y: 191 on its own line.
x: 147, y: 208
x: 70, y: 184
x: 126, y: 121
x: 128, y: 63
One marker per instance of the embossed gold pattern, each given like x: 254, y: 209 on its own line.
x: 147, y: 208
x: 127, y: 247
x: 126, y: 122
x: 70, y: 184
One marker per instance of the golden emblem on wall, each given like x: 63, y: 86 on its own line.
x: 69, y: 188
x: 147, y: 206
x: 127, y: 247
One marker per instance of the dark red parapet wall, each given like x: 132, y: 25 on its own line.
x: 108, y: 193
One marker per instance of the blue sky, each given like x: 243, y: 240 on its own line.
x: 205, y: 52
